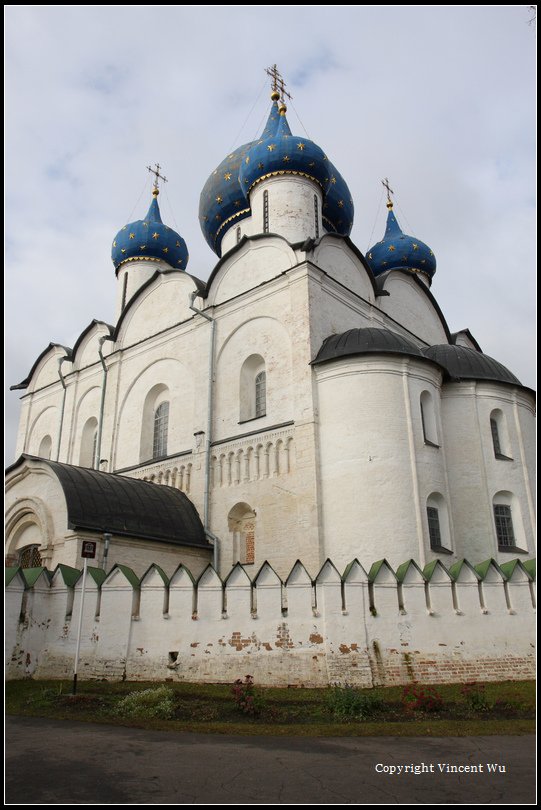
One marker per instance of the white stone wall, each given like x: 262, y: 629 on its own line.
x: 338, y: 629
x: 409, y: 306
x: 291, y: 209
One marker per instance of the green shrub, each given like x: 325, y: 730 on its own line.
x: 347, y: 703
x: 148, y: 703
x: 475, y: 696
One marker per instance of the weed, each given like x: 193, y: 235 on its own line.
x: 247, y: 700
x: 475, y: 696
x: 421, y: 698
x: 147, y: 703
x: 347, y: 703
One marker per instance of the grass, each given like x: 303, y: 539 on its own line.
x: 505, y: 708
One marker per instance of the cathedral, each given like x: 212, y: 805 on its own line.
x: 307, y: 402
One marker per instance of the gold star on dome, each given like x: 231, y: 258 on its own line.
x: 125, y: 228
x: 237, y: 203
x: 205, y: 219
x: 333, y: 180
x: 218, y: 199
x: 414, y: 246
x: 431, y: 253
x: 260, y: 166
x: 340, y: 203
x: 301, y: 146
x: 423, y: 261
x: 155, y: 235
x: 392, y: 247
x: 179, y: 261
x: 123, y: 250
x: 145, y: 224
x: 227, y: 176
x: 177, y: 244
x: 166, y: 250
x: 370, y: 256
x: 218, y: 217
x: 325, y: 157
x: 132, y: 236
x: 231, y: 157
x: 215, y: 171
x: 383, y: 264
x: 312, y: 164
x: 271, y: 147
x: 247, y: 160
x: 142, y: 247
x: 114, y: 243
x: 286, y: 158
x: 259, y: 143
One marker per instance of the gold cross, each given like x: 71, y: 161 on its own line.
x: 278, y: 84
x: 385, y: 183
x: 156, y: 172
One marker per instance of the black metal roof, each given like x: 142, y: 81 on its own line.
x: 463, y: 363
x: 105, y: 502
x: 366, y: 341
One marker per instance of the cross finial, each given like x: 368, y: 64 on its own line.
x: 389, y: 192
x: 278, y: 84
x: 156, y: 172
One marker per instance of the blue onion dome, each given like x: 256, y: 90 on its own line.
x: 398, y: 251
x: 149, y: 240
x: 284, y: 154
x: 338, y: 206
x: 222, y: 199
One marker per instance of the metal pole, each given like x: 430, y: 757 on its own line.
x: 79, y: 627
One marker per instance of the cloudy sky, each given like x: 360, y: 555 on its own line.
x: 439, y: 99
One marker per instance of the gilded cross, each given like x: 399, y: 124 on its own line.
x: 278, y: 84
x: 157, y: 174
x: 385, y: 183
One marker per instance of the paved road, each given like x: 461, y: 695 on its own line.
x: 55, y: 762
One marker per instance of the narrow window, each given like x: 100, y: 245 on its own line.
x: 316, y: 215
x: 261, y: 394
x: 434, y: 531
x: 124, y: 289
x: 495, y: 437
x: 500, y: 436
x: 161, y: 425
x: 265, y: 212
x: 504, y: 525
x: 95, y: 461
x: 238, y: 234
x: 428, y: 419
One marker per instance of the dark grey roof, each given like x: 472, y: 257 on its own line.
x: 365, y: 341
x: 105, y: 502
x: 463, y: 363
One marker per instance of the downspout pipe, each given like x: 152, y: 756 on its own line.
x: 102, y: 401
x: 206, y: 498
x: 63, y: 406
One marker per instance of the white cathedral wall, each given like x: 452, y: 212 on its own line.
x: 292, y: 208
x: 255, y: 263
x: 411, y: 307
x: 337, y: 260
x: 369, y: 486
x: 475, y: 475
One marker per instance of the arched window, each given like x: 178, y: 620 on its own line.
x: 155, y: 423
x: 242, y: 525
x: 45, y: 447
x: 89, y: 438
x: 508, y: 522
x: 500, y: 437
x: 161, y: 427
x: 253, y: 388
x: 437, y: 515
x: 428, y: 419
x: 29, y: 557
x: 261, y: 394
